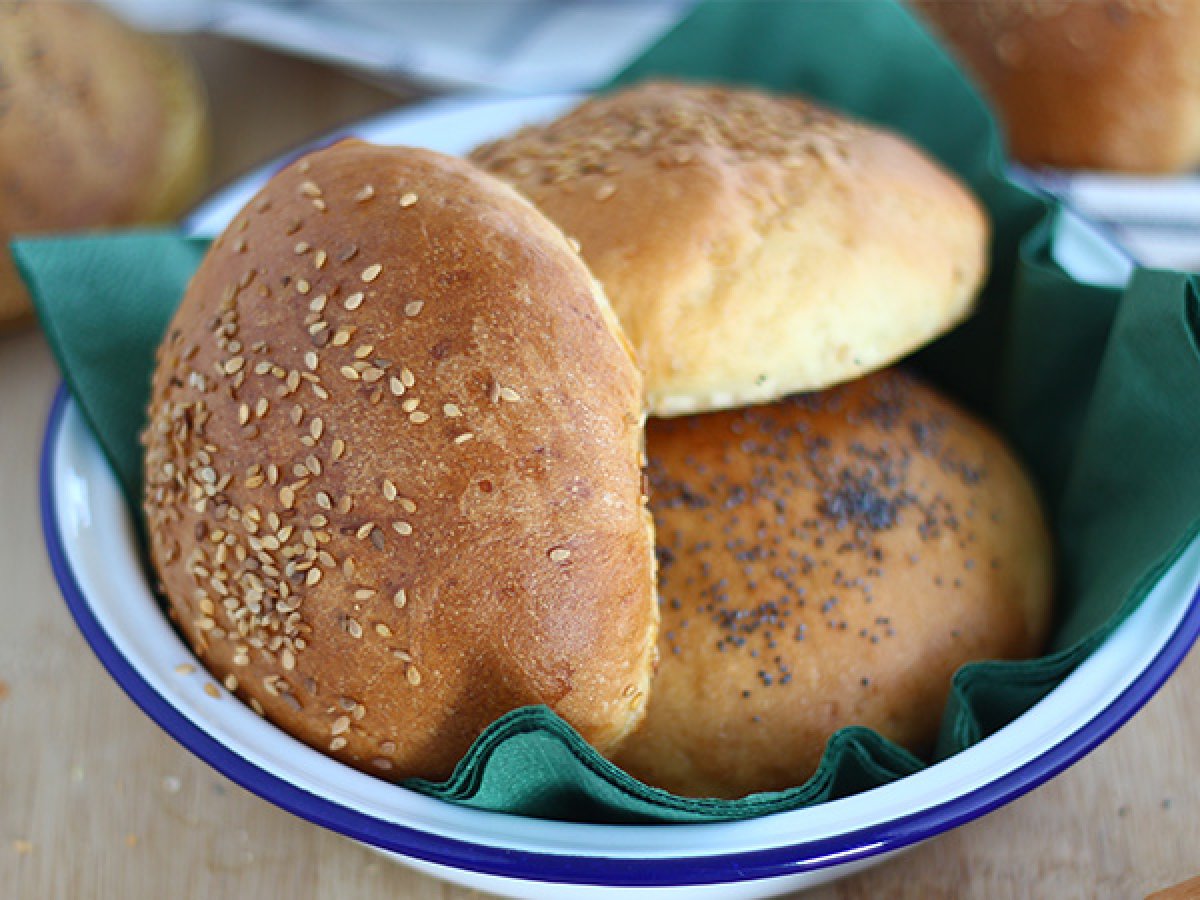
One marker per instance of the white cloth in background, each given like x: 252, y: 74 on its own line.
x: 1155, y: 220
x: 514, y: 46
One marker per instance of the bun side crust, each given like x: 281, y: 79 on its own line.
x: 393, y: 466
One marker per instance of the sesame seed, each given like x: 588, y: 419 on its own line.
x: 302, y: 286
x: 364, y: 593
x: 508, y: 394
x: 402, y: 528
x: 389, y: 490
x: 243, y: 414
x: 287, y: 497
x: 363, y: 351
x: 341, y: 337
x: 231, y: 682
x: 350, y: 373
x: 319, y: 259
x: 310, y: 189
x: 380, y: 763
x: 407, y: 377
x: 410, y: 404
x: 382, y: 630
x: 605, y: 191
x: 370, y: 273
x: 371, y: 374
x: 399, y: 599
x: 319, y: 204
x: 313, y: 576
x: 338, y: 449
x: 337, y: 744
x: 464, y: 437
x: 310, y: 359
x: 261, y: 407
x: 211, y: 690
x: 414, y: 308
x: 418, y: 417
x: 560, y: 554
x: 413, y: 676
x: 407, y: 505
x: 408, y: 200
x: 317, y: 428
x: 353, y: 628
x: 366, y: 193
x: 451, y: 410
x: 340, y: 725
x: 234, y: 365
x: 185, y: 669
x: 396, y: 386
x: 354, y: 301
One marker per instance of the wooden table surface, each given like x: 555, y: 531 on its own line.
x: 96, y: 801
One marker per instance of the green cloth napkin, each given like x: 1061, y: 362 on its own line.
x: 1096, y: 388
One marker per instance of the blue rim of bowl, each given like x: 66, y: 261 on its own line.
x: 591, y: 870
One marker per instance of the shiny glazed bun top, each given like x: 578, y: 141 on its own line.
x: 825, y: 561
x: 752, y: 246
x: 393, y: 466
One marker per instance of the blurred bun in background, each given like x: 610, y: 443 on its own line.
x: 99, y: 126
x: 1085, y: 85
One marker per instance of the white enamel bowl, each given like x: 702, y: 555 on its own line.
x: 92, y: 546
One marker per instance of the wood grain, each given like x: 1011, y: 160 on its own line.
x: 98, y: 802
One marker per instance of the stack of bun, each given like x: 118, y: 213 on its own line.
x: 394, y: 481
x: 828, y: 559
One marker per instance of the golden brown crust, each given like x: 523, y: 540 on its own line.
x: 825, y: 561
x: 1097, y: 85
x: 414, y: 439
x: 99, y: 126
x: 752, y: 246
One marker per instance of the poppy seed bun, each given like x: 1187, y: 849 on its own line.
x: 828, y: 560
x: 99, y: 126
x: 393, y: 483
x: 752, y: 246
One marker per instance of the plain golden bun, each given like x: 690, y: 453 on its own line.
x: 752, y: 246
x: 393, y: 483
x: 828, y: 560
x: 99, y: 125
x: 1086, y: 85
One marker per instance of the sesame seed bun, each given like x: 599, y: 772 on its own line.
x: 99, y: 126
x: 828, y: 560
x: 752, y: 246
x: 393, y: 466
